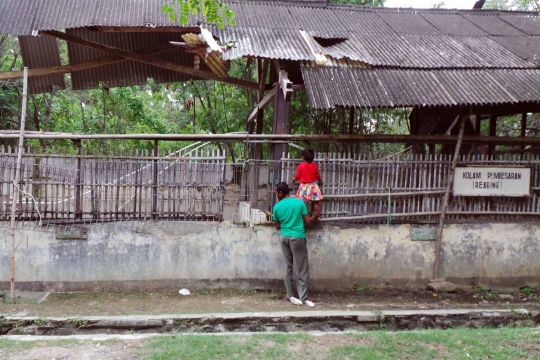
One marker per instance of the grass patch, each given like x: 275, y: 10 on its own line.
x: 8, y: 344
x: 527, y: 290
x: 219, y: 347
x: 505, y: 343
x: 486, y: 292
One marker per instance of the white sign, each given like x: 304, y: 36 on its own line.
x: 492, y: 181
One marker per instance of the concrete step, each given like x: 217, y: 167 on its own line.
x: 327, y: 321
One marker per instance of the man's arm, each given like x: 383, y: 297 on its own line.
x: 277, y: 225
x: 311, y: 219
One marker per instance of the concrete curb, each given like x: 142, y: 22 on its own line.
x: 327, y: 321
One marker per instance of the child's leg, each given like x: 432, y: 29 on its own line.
x: 316, y: 207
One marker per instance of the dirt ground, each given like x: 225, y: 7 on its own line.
x: 73, y: 349
x: 215, y: 301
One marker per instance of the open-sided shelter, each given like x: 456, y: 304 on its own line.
x: 441, y: 63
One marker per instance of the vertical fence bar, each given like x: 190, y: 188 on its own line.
x: 16, y: 184
x: 155, y: 181
x: 438, y: 244
x: 78, y: 192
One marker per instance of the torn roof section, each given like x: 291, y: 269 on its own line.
x: 362, y: 53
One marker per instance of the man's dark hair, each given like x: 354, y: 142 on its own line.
x: 283, y: 188
x: 308, y: 155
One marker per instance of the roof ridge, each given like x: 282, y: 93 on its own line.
x: 322, y: 4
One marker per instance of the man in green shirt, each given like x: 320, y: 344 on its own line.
x: 289, y: 215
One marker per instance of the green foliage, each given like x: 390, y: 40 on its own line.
x: 527, y: 290
x: 214, y: 11
x: 363, y: 288
x: 486, y: 292
x: 526, y: 5
x: 359, y: 2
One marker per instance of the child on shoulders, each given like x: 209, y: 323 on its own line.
x: 308, y: 175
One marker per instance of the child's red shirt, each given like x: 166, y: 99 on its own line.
x: 307, y: 173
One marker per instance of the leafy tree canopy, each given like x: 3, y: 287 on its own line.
x: 214, y: 11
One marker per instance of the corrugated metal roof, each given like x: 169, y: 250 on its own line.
x: 493, y: 25
x: 41, y: 52
x: 16, y: 16
x: 20, y: 17
x: 266, y: 43
x: 382, y: 39
x: 528, y: 24
x: 451, y: 24
x: 427, y: 52
x: 412, y: 24
x: 126, y: 73
x: 526, y: 47
x: 330, y: 87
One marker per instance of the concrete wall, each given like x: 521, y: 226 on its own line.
x: 131, y: 256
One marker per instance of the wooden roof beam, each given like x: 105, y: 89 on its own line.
x: 84, y: 65
x: 381, y: 138
x: 267, y: 100
x: 146, y: 29
x: 145, y: 59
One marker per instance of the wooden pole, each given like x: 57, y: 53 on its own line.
x: 78, y: 187
x: 523, y: 131
x: 438, y: 244
x: 155, y: 182
x: 285, y: 138
x: 492, y: 132
x: 16, y: 185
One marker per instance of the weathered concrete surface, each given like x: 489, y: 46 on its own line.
x: 331, y: 321
x: 136, y: 256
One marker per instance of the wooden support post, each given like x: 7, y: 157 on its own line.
x: 351, y: 127
x: 438, y: 244
x: 155, y: 182
x: 281, y: 118
x: 523, y: 131
x: 351, y: 121
x: 279, y: 126
x: 414, y: 129
x: 16, y: 185
x: 492, y: 132
x: 478, y: 125
x: 262, y: 70
x: 262, y: 83
x: 78, y: 187
x: 431, y: 148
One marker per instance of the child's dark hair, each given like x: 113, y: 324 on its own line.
x: 308, y: 155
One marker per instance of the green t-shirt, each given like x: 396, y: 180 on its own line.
x: 289, y: 212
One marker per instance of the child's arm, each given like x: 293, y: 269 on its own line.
x: 298, y: 173
x: 318, y: 176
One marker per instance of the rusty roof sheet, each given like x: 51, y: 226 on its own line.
x: 41, y: 52
x: 128, y: 72
x: 330, y: 87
